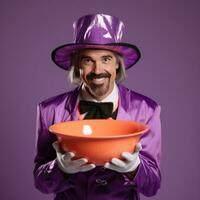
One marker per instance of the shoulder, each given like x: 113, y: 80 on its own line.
x: 54, y: 108
x: 57, y: 102
x: 54, y: 100
x: 133, y: 99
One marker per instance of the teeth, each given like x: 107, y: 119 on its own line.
x: 98, y: 80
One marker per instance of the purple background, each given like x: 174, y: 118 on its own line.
x: 167, y: 32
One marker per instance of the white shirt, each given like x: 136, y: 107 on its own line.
x: 112, y: 97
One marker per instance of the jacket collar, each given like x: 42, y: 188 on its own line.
x: 72, y: 103
x: 124, y: 101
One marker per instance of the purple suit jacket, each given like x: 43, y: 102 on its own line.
x: 99, y: 183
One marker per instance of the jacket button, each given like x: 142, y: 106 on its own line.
x: 101, y: 182
x: 103, y: 169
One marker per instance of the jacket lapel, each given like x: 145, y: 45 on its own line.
x: 123, y: 113
x: 72, y: 104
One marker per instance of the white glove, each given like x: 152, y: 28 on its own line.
x: 130, y: 164
x: 70, y: 166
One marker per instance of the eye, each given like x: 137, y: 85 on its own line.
x: 87, y: 61
x: 106, y: 59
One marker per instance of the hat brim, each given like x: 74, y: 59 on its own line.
x: 62, y: 55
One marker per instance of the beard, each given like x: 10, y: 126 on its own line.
x: 98, y: 90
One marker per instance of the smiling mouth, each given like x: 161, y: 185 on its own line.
x: 98, y: 80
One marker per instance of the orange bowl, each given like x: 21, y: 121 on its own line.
x: 98, y: 140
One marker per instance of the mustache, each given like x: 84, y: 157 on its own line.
x: 92, y: 75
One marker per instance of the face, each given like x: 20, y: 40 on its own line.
x: 98, y: 71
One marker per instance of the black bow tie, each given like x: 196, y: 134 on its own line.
x: 96, y: 110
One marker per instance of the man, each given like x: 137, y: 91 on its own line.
x: 97, y: 61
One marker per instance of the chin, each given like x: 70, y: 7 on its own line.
x: 98, y: 91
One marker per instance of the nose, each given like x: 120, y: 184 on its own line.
x: 97, y: 68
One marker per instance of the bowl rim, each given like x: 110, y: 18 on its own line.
x: 99, y: 137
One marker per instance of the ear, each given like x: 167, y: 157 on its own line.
x: 117, y: 66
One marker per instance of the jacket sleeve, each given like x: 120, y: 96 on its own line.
x: 148, y: 177
x: 48, y: 178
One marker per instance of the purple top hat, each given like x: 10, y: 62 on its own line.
x: 96, y: 31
